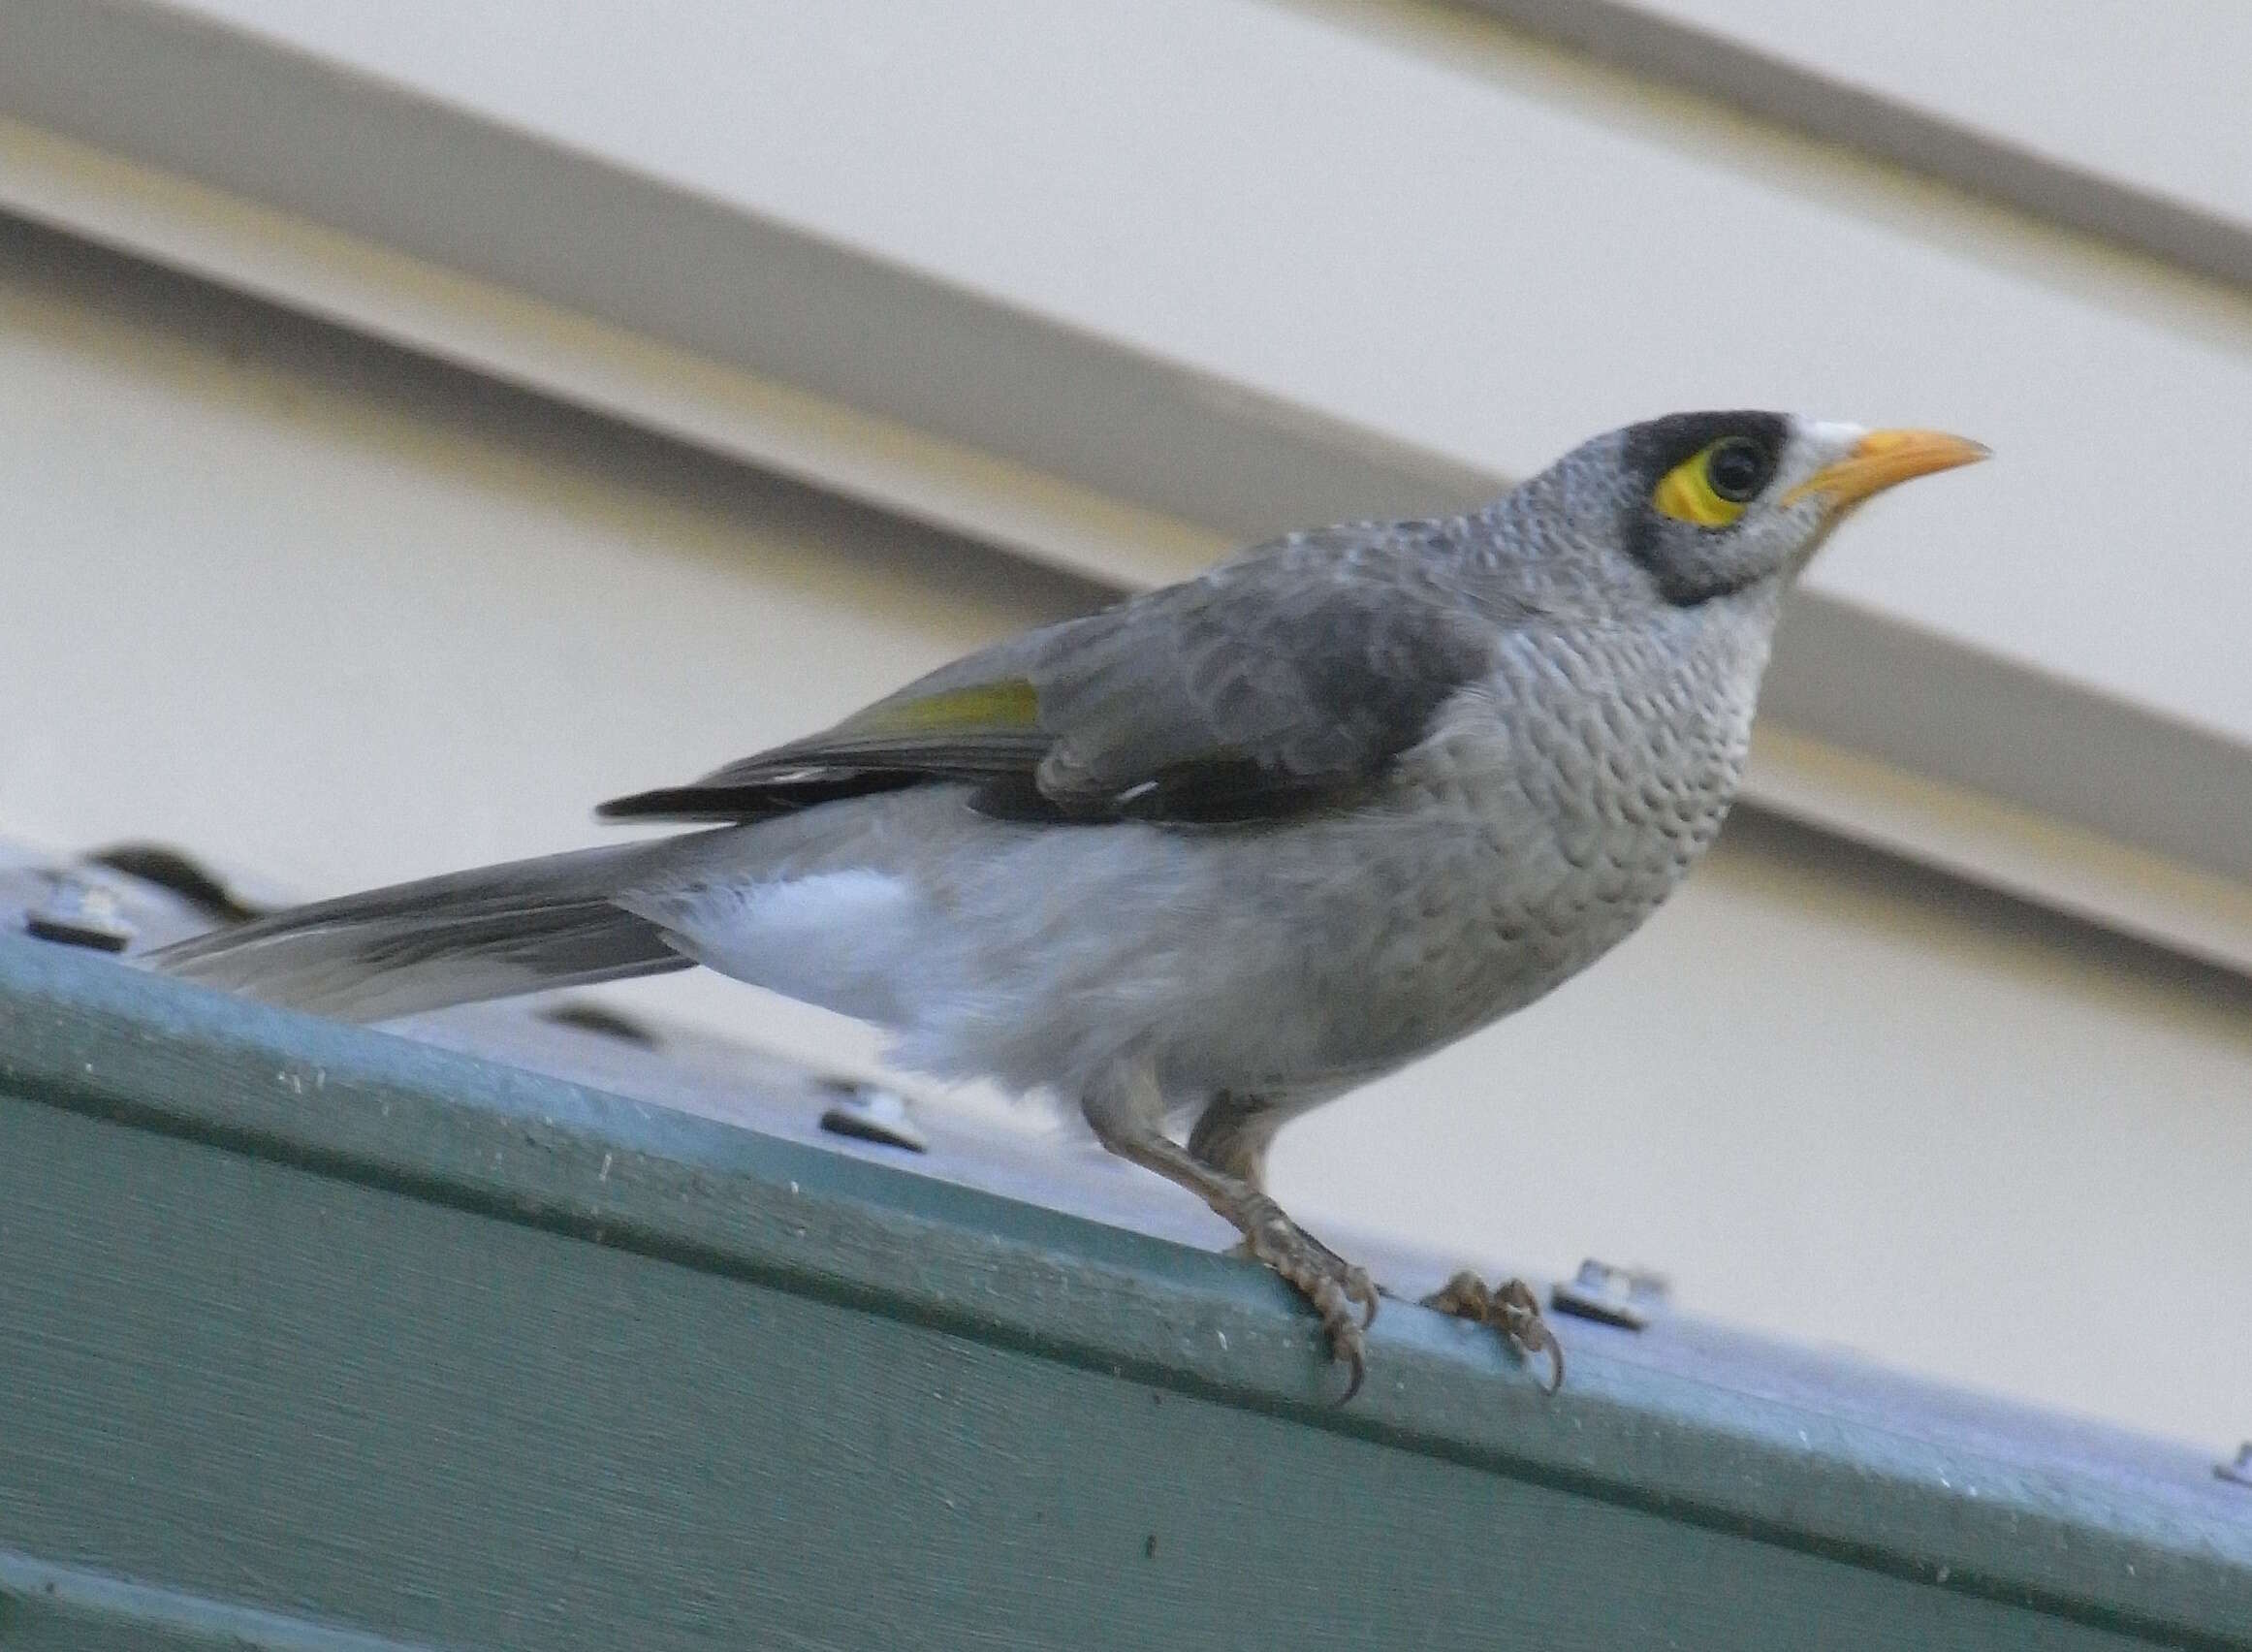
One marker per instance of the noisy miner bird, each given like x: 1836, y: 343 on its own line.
x: 1220, y: 853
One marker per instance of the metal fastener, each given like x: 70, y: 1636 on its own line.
x: 2240, y: 1470
x: 1614, y: 1295
x: 79, y: 913
x: 867, y: 1112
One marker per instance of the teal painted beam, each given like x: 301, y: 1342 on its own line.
x: 340, y: 1250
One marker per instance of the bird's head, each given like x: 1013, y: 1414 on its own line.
x: 1705, y: 504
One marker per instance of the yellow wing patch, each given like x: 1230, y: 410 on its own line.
x: 1011, y: 703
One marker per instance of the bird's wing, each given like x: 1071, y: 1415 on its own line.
x: 1281, y: 681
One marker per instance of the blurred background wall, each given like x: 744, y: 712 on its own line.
x: 419, y: 422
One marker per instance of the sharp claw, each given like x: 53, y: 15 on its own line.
x: 1325, y: 1280
x: 1512, y: 1310
x: 1537, y: 1338
x: 1358, y: 1367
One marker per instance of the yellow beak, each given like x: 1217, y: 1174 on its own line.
x: 1883, y: 459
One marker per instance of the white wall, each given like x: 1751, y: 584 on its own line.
x: 2151, y: 96
x: 303, y: 607
x: 1394, y: 215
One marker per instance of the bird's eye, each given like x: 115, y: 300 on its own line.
x: 1711, y: 488
x: 1735, y: 468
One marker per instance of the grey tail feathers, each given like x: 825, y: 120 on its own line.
x: 487, y: 934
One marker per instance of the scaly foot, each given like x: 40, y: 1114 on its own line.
x: 1331, y: 1283
x: 1510, y: 1308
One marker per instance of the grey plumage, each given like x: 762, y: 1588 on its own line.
x: 1226, y: 849
x: 461, y: 938
x: 1287, y: 677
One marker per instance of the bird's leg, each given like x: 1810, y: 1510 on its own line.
x: 1233, y: 1133
x: 1128, y: 1119
x: 1510, y: 1308
x: 1232, y: 1136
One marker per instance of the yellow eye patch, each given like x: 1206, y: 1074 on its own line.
x: 1712, y: 488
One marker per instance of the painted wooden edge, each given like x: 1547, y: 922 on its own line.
x: 102, y: 1038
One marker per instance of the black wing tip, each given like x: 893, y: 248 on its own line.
x: 677, y: 802
x: 748, y: 801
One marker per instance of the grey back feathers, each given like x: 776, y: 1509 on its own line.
x: 1281, y: 681
x: 1287, y: 679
